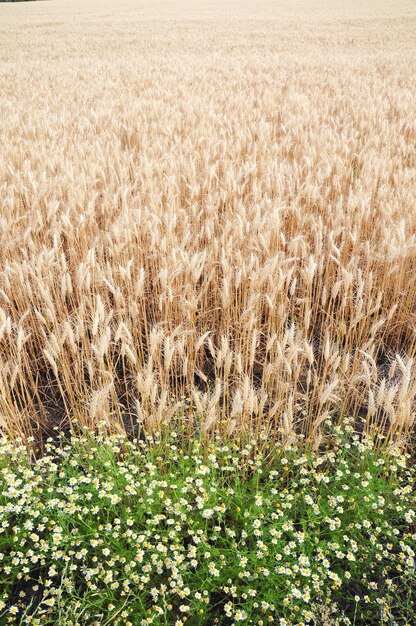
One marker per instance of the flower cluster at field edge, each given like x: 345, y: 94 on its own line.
x: 110, y: 531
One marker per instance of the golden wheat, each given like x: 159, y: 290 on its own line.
x: 208, y: 210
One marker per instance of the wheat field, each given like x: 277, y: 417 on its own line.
x: 208, y: 213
